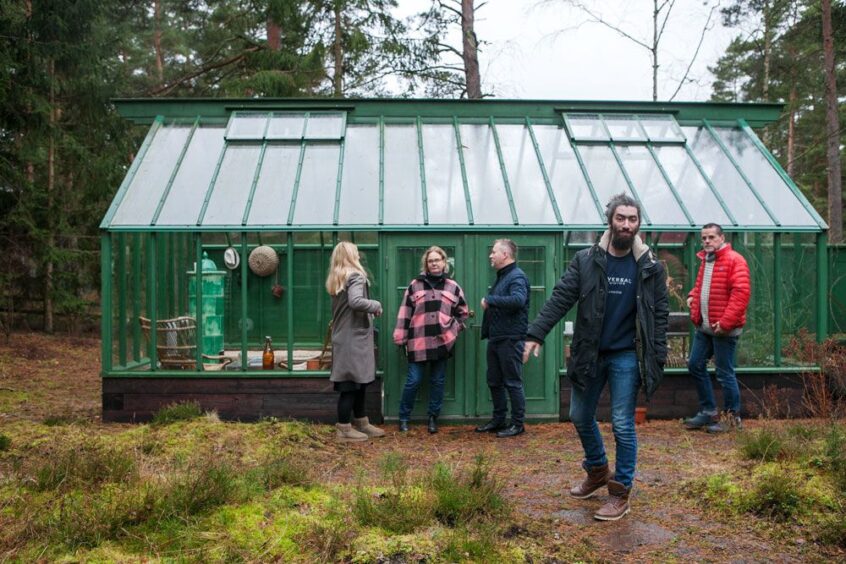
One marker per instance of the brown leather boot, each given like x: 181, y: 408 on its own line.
x: 596, y: 478
x: 346, y: 434
x: 617, y: 504
x: 363, y: 425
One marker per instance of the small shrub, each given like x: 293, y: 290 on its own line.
x: 764, y: 445
x: 205, y: 484
x: 182, y: 411
x: 284, y: 470
x: 84, y: 464
x: 835, y: 454
x: 832, y: 531
x: 776, y: 496
x: 462, y: 498
x: 401, y: 508
x: 5, y: 442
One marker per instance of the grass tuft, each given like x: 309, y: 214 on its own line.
x: 763, y: 445
x: 835, y: 455
x: 182, y: 411
x: 5, y: 442
x: 400, y: 508
x: 284, y: 470
x: 775, y: 496
x: 461, y: 498
x: 84, y: 464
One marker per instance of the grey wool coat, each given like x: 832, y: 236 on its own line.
x: 353, y: 359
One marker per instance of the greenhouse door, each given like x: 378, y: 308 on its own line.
x: 466, y: 392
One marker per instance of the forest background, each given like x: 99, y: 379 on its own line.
x: 64, y: 150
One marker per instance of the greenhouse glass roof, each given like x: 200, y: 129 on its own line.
x: 435, y: 165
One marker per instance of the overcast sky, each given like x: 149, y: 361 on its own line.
x: 546, y: 50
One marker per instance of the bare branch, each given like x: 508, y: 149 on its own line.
x: 201, y: 71
x: 705, y: 28
x: 666, y: 18
x: 597, y: 18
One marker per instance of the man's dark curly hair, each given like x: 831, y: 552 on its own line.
x: 621, y: 199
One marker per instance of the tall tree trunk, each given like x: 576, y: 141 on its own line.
x: 338, y: 54
x: 832, y: 123
x: 51, y: 180
x: 470, y: 50
x: 274, y: 35
x: 157, y: 40
x: 654, y: 50
x: 791, y: 131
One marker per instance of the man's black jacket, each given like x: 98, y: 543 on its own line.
x: 585, y: 282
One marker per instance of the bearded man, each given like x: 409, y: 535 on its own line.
x: 620, y: 339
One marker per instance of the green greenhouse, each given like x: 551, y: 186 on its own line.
x: 221, y: 232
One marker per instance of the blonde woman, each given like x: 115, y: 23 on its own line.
x: 353, y: 359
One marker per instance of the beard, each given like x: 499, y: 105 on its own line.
x: 622, y: 240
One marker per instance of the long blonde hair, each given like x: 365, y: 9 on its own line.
x: 424, y: 266
x: 345, y: 261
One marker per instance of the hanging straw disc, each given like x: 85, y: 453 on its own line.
x: 263, y: 261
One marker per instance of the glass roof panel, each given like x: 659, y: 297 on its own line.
x: 781, y: 200
x: 318, y: 182
x: 605, y: 174
x: 568, y: 183
x: 232, y: 185
x: 360, y: 180
x: 272, y: 198
x: 655, y: 195
x: 403, y: 203
x: 185, y: 199
x: 624, y: 128
x: 698, y: 198
x: 247, y: 126
x: 586, y: 127
x: 285, y: 126
x: 148, y: 185
x: 488, y: 197
x: 524, y: 173
x: 745, y: 207
x: 325, y: 126
x: 662, y: 129
x: 444, y: 186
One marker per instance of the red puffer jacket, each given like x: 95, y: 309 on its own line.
x: 730, y: 289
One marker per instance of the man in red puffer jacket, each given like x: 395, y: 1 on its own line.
x: 717, y: 305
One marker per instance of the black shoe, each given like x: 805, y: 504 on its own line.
x: 433, y: 424
x: 511, y: 431
x: 491, y: 426
x: 403, y: 426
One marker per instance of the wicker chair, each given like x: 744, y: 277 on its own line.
x: 176, y: 344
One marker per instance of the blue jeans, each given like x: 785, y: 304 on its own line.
x: 505, y: 379
x: 412, y: 382
x: 621, y: 372
x: 723, y: 349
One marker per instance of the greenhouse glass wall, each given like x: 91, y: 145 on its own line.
x: 221, y: 232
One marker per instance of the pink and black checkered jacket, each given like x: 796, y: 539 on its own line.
x: 430, y: 318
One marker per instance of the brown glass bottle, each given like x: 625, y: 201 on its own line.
x: 267, y: 356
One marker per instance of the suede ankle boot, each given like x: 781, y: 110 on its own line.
x: 596, y: 478
x: 346, y: 434
x: 363, y: 425
x: 617, y: 504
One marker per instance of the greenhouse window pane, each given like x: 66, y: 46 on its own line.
x: 185, y: 199
x: 318, y: 180
x: 658, y: 200
x: 624, y: 128
x: 360, y: 180
x: 151, y: 178
x: 403, y: 193
x: 662, y: 129
x: 605, y: 174
x: 232, y: 186
x: 524, y: 173
x: 779, y: 197
x: 444, y: 187
x: 565, y: 175
x: 744, y: 205
x: 700, y: 202
x: 488, y: 197
x: 285, y: 126
x: 247, y: 126
x: 586, y: 127
x: 325, y: 126
x: 272, y: 198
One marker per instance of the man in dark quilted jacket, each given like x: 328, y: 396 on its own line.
x: 717, y: 305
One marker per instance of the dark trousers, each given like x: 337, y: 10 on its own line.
x: 505, y: 376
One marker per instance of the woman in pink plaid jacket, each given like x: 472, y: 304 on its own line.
x: 429, y: 320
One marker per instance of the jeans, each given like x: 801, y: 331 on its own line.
x: 723, y: 349
x: 412, y: 382
x: 621, y: 371
x: 505, y: 377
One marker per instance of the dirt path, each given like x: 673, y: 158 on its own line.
x: 43, y: 377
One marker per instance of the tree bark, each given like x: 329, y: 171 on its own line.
x: 338, y: 54
x: 51, y: 180
x: 791, y: 131
x: 157, y: 40
x: 470, y: 51
x: 274, y: 35
x: 832, y: 123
